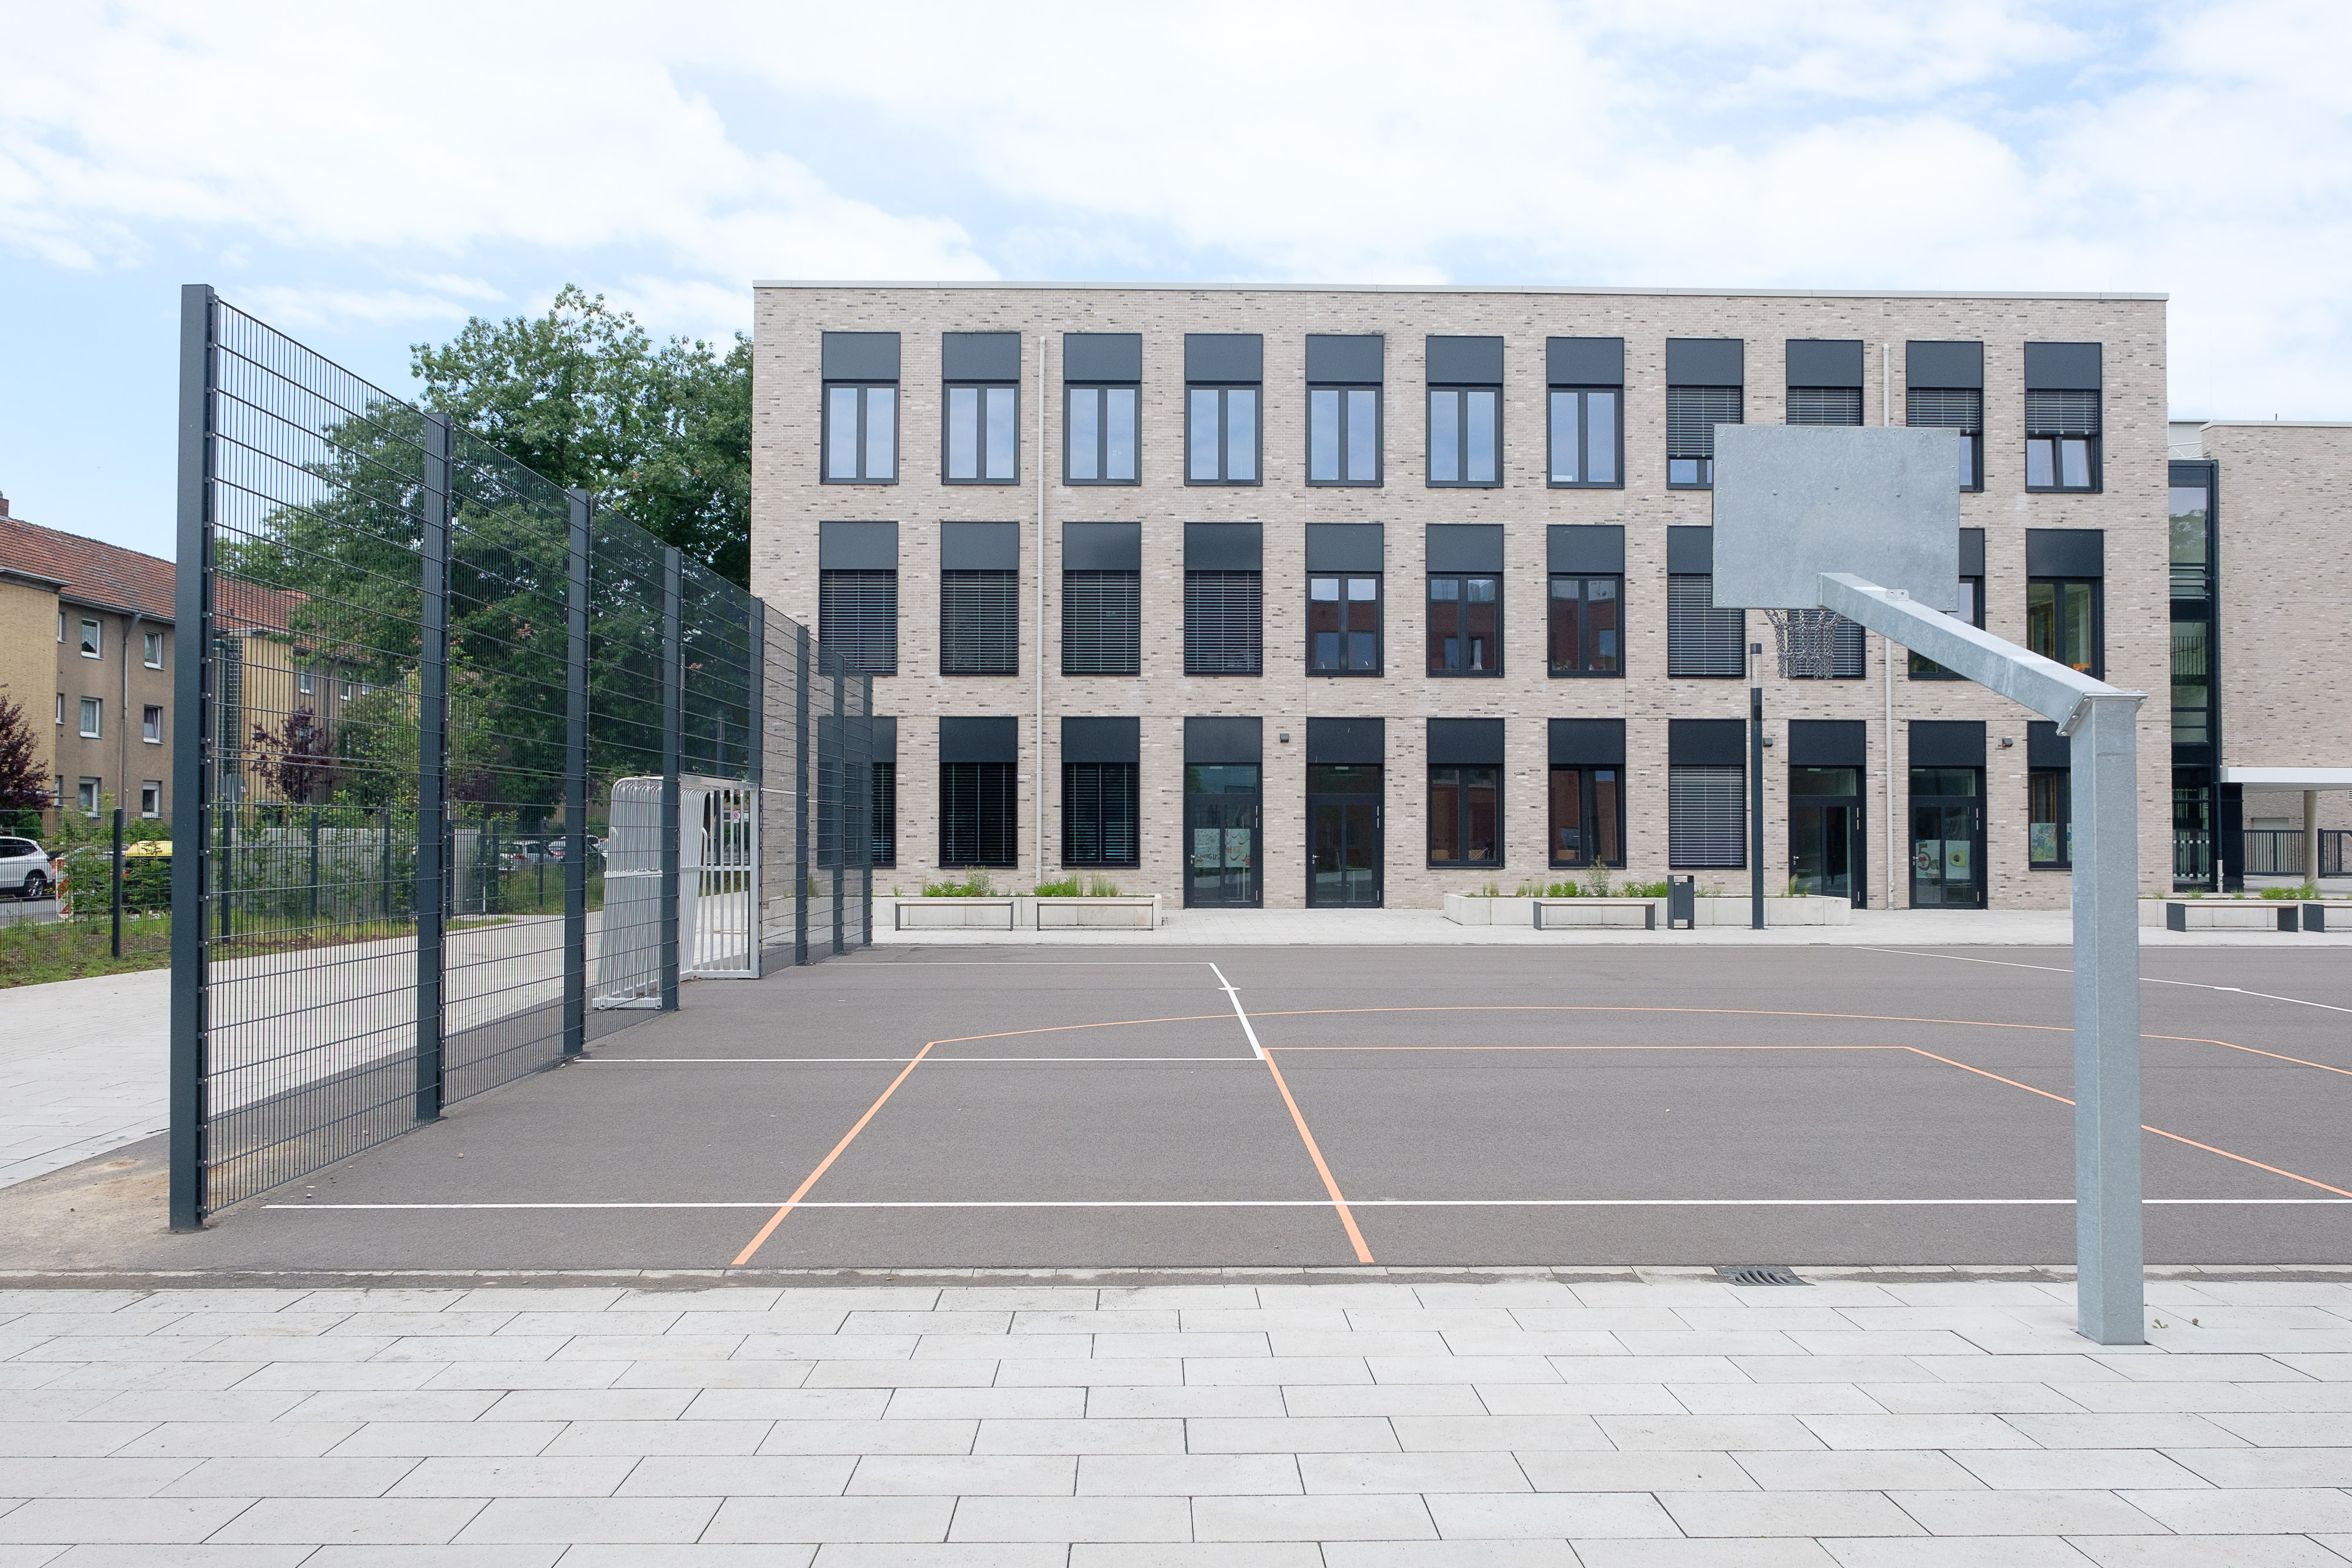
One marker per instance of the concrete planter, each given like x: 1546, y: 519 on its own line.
x: 2233, y: 915
x: 1139, y: 912
x: 952, y: 914
x: 1807, y: 910
x: 1588, y: 914
x: 1467, y: 909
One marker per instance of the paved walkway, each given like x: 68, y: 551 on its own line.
x: 82, y: 1069
x: 1625, y: 1423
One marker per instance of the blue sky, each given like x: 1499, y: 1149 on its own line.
x: 368, y: 180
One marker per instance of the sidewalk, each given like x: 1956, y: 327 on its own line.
x: 82, y: 1069
x: 1633, y: 1422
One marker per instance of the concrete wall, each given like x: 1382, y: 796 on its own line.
x: 788, y: 502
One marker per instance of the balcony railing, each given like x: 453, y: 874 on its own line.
x: 2278, y: 851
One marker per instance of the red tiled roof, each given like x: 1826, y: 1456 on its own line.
x: 104, y: 575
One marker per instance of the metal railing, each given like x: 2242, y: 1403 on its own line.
x: 470, y: 772
x: 2279, y: 852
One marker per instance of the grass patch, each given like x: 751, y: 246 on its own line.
x: 34, y: 955
x: 974, y: 885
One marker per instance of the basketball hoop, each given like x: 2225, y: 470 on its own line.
x: 1806, y: 643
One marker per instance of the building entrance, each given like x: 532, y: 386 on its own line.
x: 1221, y: 836
x: 1826, y: 836
x: 1343, y: 815
x: 1947, y: 837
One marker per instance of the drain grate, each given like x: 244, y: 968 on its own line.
x: 1760, y: 1274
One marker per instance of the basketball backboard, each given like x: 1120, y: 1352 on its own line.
x: 1794, y: 501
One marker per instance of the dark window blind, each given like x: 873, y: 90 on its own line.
x: 1707, y: 821
x: 977, y: 814
x: 979, y: 622
x: 1945, y: 408
x: 1098, y: 813
x: 1102, y: 623
x: 1824, y: 406
x: 1845, y: 651
x: 2062, y: 413
x: 1692, y: 415
x: 885, y: 814
x: 1224, y: 623
x: 1700, y: 639
x: 858, y: 618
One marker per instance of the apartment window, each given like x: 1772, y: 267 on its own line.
x: 1102, y: 599
x: 1587, y: 386
x: 343, y: 690
x: 1224, y: 374
x: 303, y: 680
x: 1343, y: 624
x: 1586, y: 826
x: 1466, y: 412
x: 1706, y: 818
x: 93, y: 647
x: 979, y: 801
x: 87, y: 797
x: 152, y: 649
x: 980, y: 598
x: 1225, y: 599
x: 2063, y: 391
x: 981, y: 407
x: 151, y: 725
x: 1464, y: 621
x: 1102, y: 373
x: 2050, y: 819
x: 861, y: 408
x: 1959, y: 409
x: 857, y: 594
x: 1466, y: 791
x: 1099, y: 811
x: 151, y: 798
x: 1703, y: 641
x: 1969, y: 607
x: 1824, y: 381
x: 2062, y: 622
x: 92, y: 712
x: 1706, y: 378
x: 1586, y: 624
x: 1824, y: 406
x: 61, y: 637
x: 62, y: 707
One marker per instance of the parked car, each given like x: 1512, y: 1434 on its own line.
x: 25, y: 869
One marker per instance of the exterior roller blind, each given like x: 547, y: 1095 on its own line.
x: 858, y: 618
x: 1944, y: 408
x: 1692, y: 415
x: 1102, y: 632
x: 1224, y: 623
x: 980, y: 623
x: 1845, y: 650
x: 1824, y: 406
x: 978, y: 814
x: 1706, y: 819
x: 1098, y: 813
x: 1700, y: 639
x: 2062, y: 413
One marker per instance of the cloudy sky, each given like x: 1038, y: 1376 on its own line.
x: 368, y: 177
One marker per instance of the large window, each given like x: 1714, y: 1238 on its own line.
x: 1098, y: 813
x: 1586, y: 625
x: 978, y: 814
x: 87, y: 796
x: 858, y: 618
x: 1224, y: 623
x: 1343, y: 436
x: 1465, y: 625
x: 2061, y: 440
x: 2062, y: 622
x: 1824, y: 406
x: 1587, y: 438
x: 979, y: 622
x: 150, y: 726
x: 1971, y: 609
x: 885, y: 814
x: 981, y: 439
x: 1692, y: 415
x: 1098, y: 436
x: 1702, y: 641
x: 2050, y: 819
x: 1707, y: 816
x: 861, y: 434
x: 2192, y: 682
x: 1343, y: 624
x: 1466, y: 816
x: 1465, y: 436
x: 92, y: 712
x: 1221, y: 436
x: 1588, y: 815
x: 1102, y: 623
x: 1959, y: 409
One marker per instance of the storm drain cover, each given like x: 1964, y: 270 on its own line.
x: 1760, y: 1274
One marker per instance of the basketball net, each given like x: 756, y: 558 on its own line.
x: 1805, y: 641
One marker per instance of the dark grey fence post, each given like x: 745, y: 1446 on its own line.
x: 673, y: 677
x: 800, y: 747
x: 433, y: 825
x: 844, y: 819
x: 575, y: 789
x: 114, y: 883
x: 866, y: 855
x: 757, y: 760
x: 314, y: 865
x: 191, y: 775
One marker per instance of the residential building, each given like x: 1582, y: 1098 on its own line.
x: 1355, y: 595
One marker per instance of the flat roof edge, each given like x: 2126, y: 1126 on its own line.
x: 1471, y: 288
x: 2268, y: 423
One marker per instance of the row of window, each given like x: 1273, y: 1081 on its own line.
x: 93, y: 720
x: 90, y: 796
x: 92, y: 643
x: 1102, y: 630
x: 1225, y: 407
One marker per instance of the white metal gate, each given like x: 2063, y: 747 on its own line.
x: 719, y: 878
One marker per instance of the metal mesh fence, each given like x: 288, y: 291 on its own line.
x: 469, y: 772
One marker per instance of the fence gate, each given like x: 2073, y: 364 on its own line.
x: 470, y: 772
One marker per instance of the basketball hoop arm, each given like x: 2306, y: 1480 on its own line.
x: 2100, y: 720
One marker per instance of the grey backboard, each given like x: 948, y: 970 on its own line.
x: 1794, y: 501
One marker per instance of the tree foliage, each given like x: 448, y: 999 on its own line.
x: 23, y: 785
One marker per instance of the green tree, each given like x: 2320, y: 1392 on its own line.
x: 584, y: 396
x: 22, y: 784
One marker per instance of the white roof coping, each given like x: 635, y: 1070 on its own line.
x: 2290, y: 778
x: 1465, y: 289
x: 2269, y: 423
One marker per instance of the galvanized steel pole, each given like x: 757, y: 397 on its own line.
x: 191, y: 637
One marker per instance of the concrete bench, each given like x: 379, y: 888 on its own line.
x: 955, y: 914
x: 1137, y: 913
x: 2231, y: 914
x: 1587, y: 913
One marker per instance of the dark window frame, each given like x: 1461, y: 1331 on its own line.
x: 2098, y: 635
x: 1589, y: 791
x: 829, y: 579
x: 1224, y: 391
x: 1380, y: 624
x: 1923, y: 668
x: 1583, y: 422
x: 1133, y: 632
x: 1460, y: 392
x: 885, y: 814
x: 1709, y: 608
x: 1463, y: 580
x: 1196, y: 585
x: 1343, y: 440
x: 1462, y: 806
x: 1586, y: 632
x: 2094, y: 440
x: 1126, y: 776
x: 865, y: 390
x: 1814, y: 402
x: 989, y: 784
x: 1008, y: 663
x: 1739, y: 793
x: 1971, y: 433
x: 1704, y: 476
x: 1099, y: 391
x: 2060, y: 780
x: 979, y: 432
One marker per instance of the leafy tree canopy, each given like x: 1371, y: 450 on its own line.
x: 584, y: 395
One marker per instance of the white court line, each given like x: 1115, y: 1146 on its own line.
x: 2145, y: 980
x: 898, y: 1061
x: 1398, y: 1203
x: 1235, y: 997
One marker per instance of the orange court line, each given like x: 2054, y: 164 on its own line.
x: 1589, y: 1007
x: 1347, y: 1218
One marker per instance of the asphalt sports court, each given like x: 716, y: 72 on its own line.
x: 911, y: 1108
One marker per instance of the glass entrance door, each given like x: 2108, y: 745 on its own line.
x: 1221, y: 834
x: 1947, y: 837
x: 1343, y: 816
x: 1825, y: 833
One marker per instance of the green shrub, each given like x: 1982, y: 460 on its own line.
x: 975, y: 885
x: 1563, y: 890
x: 1101, y: 886
x: 1646, y: 890
x: 2307, y: 891
x: 1068, y: 887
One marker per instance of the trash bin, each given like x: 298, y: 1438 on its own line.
x: 1682, y: 903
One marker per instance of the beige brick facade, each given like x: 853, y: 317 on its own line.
x: 789, y: 501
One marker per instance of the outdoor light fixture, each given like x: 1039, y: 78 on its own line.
x: 1283, y: 736
x: 2006, y: 742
